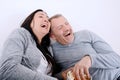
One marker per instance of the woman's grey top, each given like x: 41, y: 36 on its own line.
x: 20, y: 58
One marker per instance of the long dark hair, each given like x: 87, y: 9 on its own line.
x: 45, y: 43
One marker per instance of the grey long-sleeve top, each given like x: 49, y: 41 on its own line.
x: 21, y: 58
x: 105, y: 62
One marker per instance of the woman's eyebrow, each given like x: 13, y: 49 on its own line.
x: 44, y: 14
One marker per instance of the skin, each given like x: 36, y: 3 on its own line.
x: 62, y: 32
x: 40, y: 25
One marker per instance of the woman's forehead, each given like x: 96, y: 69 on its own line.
x: 42, y: 13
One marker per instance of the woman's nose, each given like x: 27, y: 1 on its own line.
x: 46, y: 20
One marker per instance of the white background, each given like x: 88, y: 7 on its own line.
x: 99, y: 16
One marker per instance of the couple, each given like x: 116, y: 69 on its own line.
x: 26, y: 53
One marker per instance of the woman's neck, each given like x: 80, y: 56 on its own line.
x: 39, y: 39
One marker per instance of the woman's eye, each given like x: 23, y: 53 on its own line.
x: 40, y: 16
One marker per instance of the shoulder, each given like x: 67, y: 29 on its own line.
x: 87, y: 34
x: 83, y: 34
x: 19, y: 33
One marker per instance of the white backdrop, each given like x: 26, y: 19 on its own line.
x: 99, y: 16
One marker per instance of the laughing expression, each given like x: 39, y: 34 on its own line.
x: 61, y: 30
x: 40, y: 24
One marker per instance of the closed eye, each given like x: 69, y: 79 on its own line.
x: 40, y: 16
x: 66, y: 23
x: 59, y: 27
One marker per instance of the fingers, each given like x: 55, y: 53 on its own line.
x: 77, y: 75
x: 64, y: 73
x: 81, y: 74
x: 87, y: 74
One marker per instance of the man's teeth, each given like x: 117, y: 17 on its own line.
x: 67, y: 34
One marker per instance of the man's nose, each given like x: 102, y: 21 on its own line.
x: 66, y: 27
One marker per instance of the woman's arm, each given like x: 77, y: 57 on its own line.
x: 11, y: 67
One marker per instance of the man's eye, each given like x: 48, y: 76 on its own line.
x: 59, y: 27
x: 67, y: 23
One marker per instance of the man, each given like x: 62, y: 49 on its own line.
x: 83, y: 52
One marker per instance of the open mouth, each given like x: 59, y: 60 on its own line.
x: 43, y: 26
x: 68, y: 34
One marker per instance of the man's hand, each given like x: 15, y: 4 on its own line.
x: 64, y: 73
x: 81, y: 69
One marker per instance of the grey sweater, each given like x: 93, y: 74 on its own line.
x: 21, y: 58
x: 105, y: 62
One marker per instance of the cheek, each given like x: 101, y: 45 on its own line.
x: 45, y: 30
x: 59, y: 36
x: 58, y: 33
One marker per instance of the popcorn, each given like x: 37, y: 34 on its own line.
x: 71, y: 77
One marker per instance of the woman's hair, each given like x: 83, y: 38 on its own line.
x: 45, y: 43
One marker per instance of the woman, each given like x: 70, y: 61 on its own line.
x: 25, y: 54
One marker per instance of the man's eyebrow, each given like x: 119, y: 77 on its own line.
x: 58, y: 26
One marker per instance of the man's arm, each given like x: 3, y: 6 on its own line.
x: 104, y: 56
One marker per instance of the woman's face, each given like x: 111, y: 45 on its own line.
x: 40, y: 24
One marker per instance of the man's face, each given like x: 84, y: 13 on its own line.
x: 61, y: 30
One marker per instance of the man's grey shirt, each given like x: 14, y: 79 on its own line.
x: 105, y: 62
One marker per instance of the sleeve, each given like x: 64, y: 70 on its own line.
x: 57, y: 68
x: 104, y: 56
x: 11, y: 67
x: 51, y: 51
x: 58, y: 72
x: 59, y: 76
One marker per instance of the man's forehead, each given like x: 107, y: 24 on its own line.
x: 59, y: 20
x: 56, y: 22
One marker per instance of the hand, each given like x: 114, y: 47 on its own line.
x: 64, y: 73
x: 81, y: 69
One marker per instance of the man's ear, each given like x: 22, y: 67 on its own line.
x: 52, y: 36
